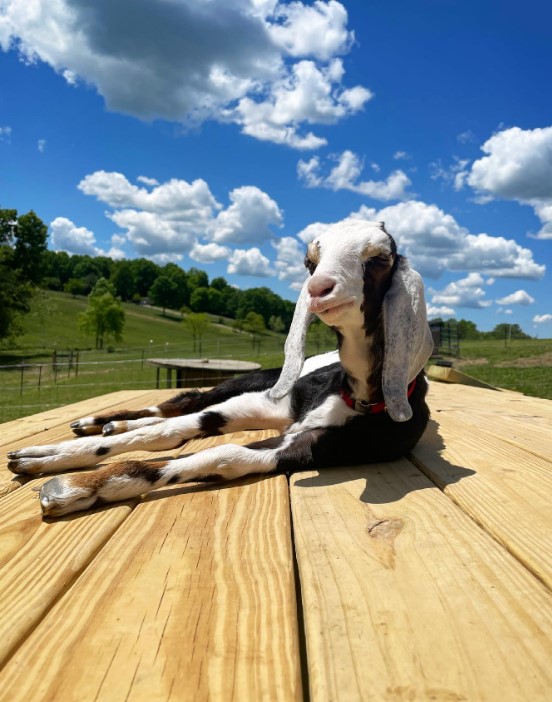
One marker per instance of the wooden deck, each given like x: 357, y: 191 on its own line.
x: 425, y: 579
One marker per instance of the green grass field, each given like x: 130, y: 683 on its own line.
x: 148, y: 334
x: 521, y: 365
x: 525, y: 366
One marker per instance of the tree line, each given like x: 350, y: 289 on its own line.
x: 26, y: 264
x: 468, y: 330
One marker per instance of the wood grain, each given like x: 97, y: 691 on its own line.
x: 39, y: 560
x: 504, y: 488
x: 406, y: 598
x: 525, y: 422
x: 53, y: 426
x: 192, y: 599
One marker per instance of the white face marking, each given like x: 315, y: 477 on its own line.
x: 341, y: 253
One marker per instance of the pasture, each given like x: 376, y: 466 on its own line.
x: 31, y: 383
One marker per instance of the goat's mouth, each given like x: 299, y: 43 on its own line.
x: 331, y: 307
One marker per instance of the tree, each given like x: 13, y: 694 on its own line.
x: 196, y: 324
x: 276, y: 324
x: 164, y: 293
x: 320, y: 335
x: 207, y: 300
x: 467, y: 329
x: 22, y: 246
x: 262, y: 301
x: 180, y: 279
x: 219, y: 284
x: 123, y: 280
x: 104, y: 316
x: 254, y: 324
x: 75, y: 286
x: 197, y: 279
x: 509, y: 331
x: 30, y: 244
x: 145, y: 274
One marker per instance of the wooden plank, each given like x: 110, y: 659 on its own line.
x: 505, y: 489
x: 505, y: 400
x: 192, y: 599
x: 516, y: 420
x: 40, y: 560
x: 447, y: 374
x: 31, y: 425
x: 55, y: 427
x: 405, y: 598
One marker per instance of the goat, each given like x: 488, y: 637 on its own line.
x: 364, y: 403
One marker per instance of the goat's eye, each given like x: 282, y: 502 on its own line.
x: 313, y: 256
x: 309, y: 265
x: 380, y: 260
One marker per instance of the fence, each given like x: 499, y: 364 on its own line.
x: 445, y: 338
x: 27, y: 388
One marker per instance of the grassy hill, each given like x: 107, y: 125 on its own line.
x: 34, y: 384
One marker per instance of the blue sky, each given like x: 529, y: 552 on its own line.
x: 224, y: 134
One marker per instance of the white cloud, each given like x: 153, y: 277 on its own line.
x: 195, y: 200
x: 455, y: 174
x: 518, y: 166
x: 307, y: 94
x: 176, y: 218
x: 345, y: 176
x: 401, y: 156
x: 41, y: 145
x: 248, y: 219
x: 5, y: 133
x: 250, y: 262
x: 318, y: 30
x: 467, y: 137
x: 466, y: 292
x: 433, y: 311
x: 435, y: 242
x: 520, y: 297
x: 269, y: 67
x: 290, y: 261
x: 147, y: 181
x: 66, y: 236
x: 542, y: 318
x: 209, y: 253
x: 313, y: 230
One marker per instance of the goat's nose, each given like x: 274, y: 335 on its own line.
x: 321, y: 285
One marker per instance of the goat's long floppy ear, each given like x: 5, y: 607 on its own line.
x: 294, y: 348
x: 408, y: 342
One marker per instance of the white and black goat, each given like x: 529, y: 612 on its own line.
x: 362, y: 404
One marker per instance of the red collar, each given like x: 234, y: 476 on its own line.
x: 364, y: 407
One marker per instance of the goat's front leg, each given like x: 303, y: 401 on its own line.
x: 121, y: 481
x: 248, y: 411
x: 188, y: 402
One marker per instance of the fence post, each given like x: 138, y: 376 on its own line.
x: 21, y: 382
x: 39, y: 376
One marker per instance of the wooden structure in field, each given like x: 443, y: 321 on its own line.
x: 200, y: 372
x: 425, y: 579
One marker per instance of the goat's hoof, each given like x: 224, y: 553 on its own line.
x: 59, y: 497
x: 86, y: 427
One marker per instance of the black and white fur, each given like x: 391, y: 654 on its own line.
x: 374, y: 302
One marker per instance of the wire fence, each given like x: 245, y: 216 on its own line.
x: 72, y: 375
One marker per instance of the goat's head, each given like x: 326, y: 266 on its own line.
x: 356, y: 273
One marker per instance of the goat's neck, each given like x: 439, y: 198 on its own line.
x: 361, y: 356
